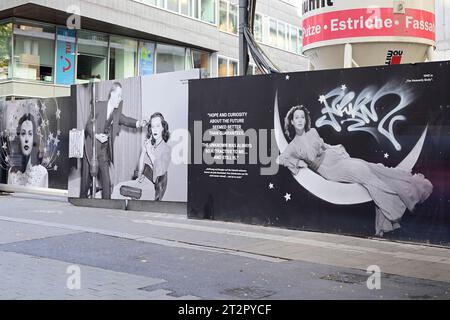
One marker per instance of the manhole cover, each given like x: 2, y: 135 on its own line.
x: 351, y: 278
x: 248, y: 293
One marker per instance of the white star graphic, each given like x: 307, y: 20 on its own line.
x: 343, y: 87
x: 322, y: 99
x: 4, y: 146
x: 7, y: 159
x: 386, y: 155
x: 288, y: 77
x: 56, y: 142
x: 58, y: 114
x: 55, y: 167
x: 271, y: 186
x: 58, y: 153
x: 287, y: 197
x: 43, y: 108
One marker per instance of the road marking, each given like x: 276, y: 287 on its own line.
x: 295, y: 240
x: 158, y: 241
x: 240, y: 233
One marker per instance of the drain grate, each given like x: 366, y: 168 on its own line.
x: 351, y: 278
x: 248, y: 293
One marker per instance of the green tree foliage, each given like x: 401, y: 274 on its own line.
x: 5, y: 45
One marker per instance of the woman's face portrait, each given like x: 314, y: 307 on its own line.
x: 157, y: 128
x: 26, y: 137
x: 299, y: 120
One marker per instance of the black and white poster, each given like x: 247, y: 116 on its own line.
x: 134, y: 147
x: 34, y: 138
x: 361, y: 151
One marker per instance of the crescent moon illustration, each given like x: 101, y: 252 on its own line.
x: 336, y: 192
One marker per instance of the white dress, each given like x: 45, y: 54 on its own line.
x: 35, y: 176
x: 393, y: 190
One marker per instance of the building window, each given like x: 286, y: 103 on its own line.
x: 227, y: 67
x: 258, y: 28
x: 34, y: 51
x: 277, y: 33
x: 300, y: 40
x: 169, y: 58
x: 273, y: 33
x: 228, y: 17
x: 173, y: 5
x: 92, y: 56
x: 204, y: 10
x: 159, y: 3
x: 208, y: 11
x: 5, y: 50
x: 293, y: 39
x: 201, y: 60
x: 281, y: 35
x: 123, y: 58
x: 253, y: 69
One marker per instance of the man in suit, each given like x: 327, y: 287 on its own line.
x: 109, y: 119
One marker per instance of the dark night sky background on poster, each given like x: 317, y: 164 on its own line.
x: 250, y: 200
x: 58, y: 168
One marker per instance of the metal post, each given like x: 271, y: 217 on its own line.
x: 94, y: 161
x: 348, y: 55
x: 243, y: 50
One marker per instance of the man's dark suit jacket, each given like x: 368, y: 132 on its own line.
x: 111, y: 127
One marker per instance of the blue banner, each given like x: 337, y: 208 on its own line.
x: 65, y: 56
x: 147, y: 55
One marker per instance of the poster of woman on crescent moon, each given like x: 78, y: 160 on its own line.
x: 362, y: 152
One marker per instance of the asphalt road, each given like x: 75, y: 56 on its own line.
x: 52, y: 250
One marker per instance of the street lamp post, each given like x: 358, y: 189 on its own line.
x: 94, y: 160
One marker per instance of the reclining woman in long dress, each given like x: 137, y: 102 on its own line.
x: 393, y: 190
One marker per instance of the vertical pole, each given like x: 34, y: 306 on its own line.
x: 94, y: 161
x: 243, y: 50
x: 431, y: 54
x: 348, y: 55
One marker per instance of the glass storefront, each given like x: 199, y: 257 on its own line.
x: 123, y: 58
x: 170, y: 58
x: 200, y: 60
x: 34, y: 51
x: 92, y: 56
x: 5, y: 50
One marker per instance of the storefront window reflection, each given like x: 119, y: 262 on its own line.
x: 34, y: 51
x: 169, y: 58
x: 92, y: 56
x: 123, y: 58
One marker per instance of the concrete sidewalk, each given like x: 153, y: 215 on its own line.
x: 266, y: 244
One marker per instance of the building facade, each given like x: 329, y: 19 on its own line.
x: 48, y: 45
x: 443, y: 29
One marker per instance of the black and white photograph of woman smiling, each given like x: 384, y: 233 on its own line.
x: 26, y: 169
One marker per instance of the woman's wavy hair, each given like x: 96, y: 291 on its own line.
x: 20, y: 161
x: 165, y: 125
x: 289, y: 129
